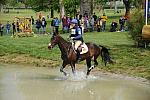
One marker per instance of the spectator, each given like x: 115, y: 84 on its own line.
x: 114, y: 26
x: 13, y: 28
x: 52, y: 26
x: 82, y: 24
x: 44, y: 23
x: 21, y: 27
x: 68, y: 21
x: 1, y: 28
x: 104, y: 19
x: 92, y: 24
x: 38, y: 25
x: 95, y: 17
x: 40, y: 15
x: 122, y: 22
x: 85, y: 22
x: 99, y: 24
x: 64, y: 24
x: 32, y: 20
x: 17, y: 26
x: 8, y: 27
x: 57, y: 22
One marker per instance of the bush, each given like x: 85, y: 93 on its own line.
x: 136, y: 23
x: 22, y: 34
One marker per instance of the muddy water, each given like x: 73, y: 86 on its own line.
x: 34, y: 83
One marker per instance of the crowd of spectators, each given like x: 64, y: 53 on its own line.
x: 85, y: 22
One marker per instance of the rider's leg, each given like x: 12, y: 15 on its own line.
x: 77, y: 44
x: 78, y: 55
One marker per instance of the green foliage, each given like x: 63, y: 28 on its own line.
x: 102, y: 1
x: 43, y: 5
x: 71, y: 6
x: 136, y: 23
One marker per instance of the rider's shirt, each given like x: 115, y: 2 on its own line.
x: 76, y: 34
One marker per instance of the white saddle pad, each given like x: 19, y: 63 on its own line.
x: 84, y: 48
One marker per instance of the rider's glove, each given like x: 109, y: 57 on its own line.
x: 72, y: 38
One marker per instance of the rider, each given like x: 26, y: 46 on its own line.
x: 76, y: 36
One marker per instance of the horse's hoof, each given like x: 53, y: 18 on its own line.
x: 66, y: 74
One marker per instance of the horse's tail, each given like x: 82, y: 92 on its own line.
x: 105, y: 55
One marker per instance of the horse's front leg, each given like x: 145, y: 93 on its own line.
x: 73, y: 68
x: 62, y: 68
x: 88, y: 62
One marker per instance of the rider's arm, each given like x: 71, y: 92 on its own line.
x: 79, y: 34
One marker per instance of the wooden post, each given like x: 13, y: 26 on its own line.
x: 146, y: 11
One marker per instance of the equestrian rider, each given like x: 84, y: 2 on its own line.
x: 76, y: 36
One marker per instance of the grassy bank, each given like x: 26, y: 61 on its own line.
x: 129, y: 59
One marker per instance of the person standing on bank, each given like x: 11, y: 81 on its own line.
x: 43, y: 24
x: 104, y: 19
x: 57, y: 22
x: 76, y: 36
x: 13, y: 28
x: 1, y: 28
x: 8, y: 27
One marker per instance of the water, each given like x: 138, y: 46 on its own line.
x: 38, y: 83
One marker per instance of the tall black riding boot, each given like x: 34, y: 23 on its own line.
x: 78, y: 55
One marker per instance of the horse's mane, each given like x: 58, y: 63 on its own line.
x: 63, y: 40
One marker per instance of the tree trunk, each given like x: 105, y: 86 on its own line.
x: 62, y: 9
x: 127, y: 6
x: 1, y: 8
x: 115, y: 6
x: 52, y: 12
x: 86, y: 7
x: 111, y: 4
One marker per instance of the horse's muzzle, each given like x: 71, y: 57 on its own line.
x: 50, y: 46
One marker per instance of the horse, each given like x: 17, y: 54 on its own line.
x: 69, y: 56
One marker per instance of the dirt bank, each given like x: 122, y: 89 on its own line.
x: 26, y: 59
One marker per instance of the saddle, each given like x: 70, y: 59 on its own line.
x: 83, y: 48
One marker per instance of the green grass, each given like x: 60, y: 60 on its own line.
x: 128, y: 58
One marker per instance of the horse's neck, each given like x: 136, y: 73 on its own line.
x: 63, y: 45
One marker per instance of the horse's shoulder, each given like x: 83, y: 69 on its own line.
x: 90, y: 43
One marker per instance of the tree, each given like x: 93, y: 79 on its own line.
x: 86, y: 7
x: 2, y: 2
x: 71, y: 6
x: 101, y: 3
x: 127, y: 4
x: 44, y: 5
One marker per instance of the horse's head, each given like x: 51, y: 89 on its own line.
x: 53, y: 42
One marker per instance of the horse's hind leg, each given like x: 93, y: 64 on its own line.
x: 63, y: 66
x: 95, y: 61
x: 73, y: 68
x: 88, y: 62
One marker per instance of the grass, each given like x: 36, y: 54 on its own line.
x: 129, y: 59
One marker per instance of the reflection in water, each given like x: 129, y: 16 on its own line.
x: 36, y: 83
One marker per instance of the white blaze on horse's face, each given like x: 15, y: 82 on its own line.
x: 49, y: 45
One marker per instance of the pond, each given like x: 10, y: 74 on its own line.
x: 19, y: 82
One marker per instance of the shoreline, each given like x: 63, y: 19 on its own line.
x: 40, y: 62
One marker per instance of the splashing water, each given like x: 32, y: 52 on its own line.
x: 80, y: 76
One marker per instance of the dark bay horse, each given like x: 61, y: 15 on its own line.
x: 69, y: 55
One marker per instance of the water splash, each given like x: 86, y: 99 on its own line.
x: 81, y: 76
